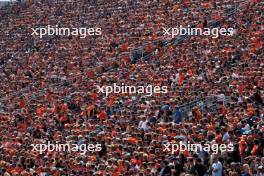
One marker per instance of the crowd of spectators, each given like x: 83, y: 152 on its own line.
x: 48, y: 88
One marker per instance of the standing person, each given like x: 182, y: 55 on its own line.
x: 166, y: 170
x: 246, y: 170
x: 179, y: 166
x: 217, y: 168
x: 103, y: 151
x: 199, y: 167
x: 177, y: 116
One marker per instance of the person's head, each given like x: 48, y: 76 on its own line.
x: 198, y: 161
x: 260, y: 169
x: 215, y: 159
x: 165, y: 163
x: 256, y: 142
x: 246, y: 168
x: 190, y: 160
x: 232, y: 173
x: 262, y: 160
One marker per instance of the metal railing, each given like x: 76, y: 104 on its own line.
x: 205, y: 105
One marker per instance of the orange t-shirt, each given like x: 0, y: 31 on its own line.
x: 254, y: 150
x: 132, y: 140
x: 40, y: 111
x: 93, y: 96
x: 124, y: 47
x: 89, y: 110
x: 102, y: 115
x: 181, y: 79
x: 90, y: 74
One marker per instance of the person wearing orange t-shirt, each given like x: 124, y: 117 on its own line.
x: 242, y: 147
x: 90, y: 110
x: 255, y: 149
x: 250, y: 110
x: 40, y: 111
x: 102, y: 116
x: 197, y: 114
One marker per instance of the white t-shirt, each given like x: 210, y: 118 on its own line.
x: 143, y: 125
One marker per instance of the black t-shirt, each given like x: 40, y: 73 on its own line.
x: 236, y: 156
x: 200, y: 169
x: 179, y: 168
